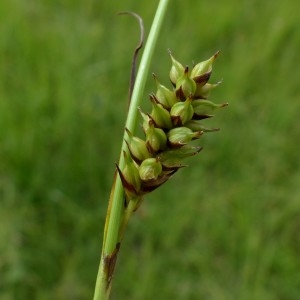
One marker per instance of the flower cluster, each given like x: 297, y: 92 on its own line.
x: 175, y: 120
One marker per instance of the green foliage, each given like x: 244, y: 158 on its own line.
x: 227, y: 227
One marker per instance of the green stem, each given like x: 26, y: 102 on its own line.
x: 115, y: 211
x: 126, y: 216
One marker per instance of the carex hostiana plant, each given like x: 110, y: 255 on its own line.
x: 177, y: 118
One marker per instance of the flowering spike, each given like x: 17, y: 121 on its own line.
x: 171, y: 125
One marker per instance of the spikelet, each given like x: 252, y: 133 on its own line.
x: 169, y: 128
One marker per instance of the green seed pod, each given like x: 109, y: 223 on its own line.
x: 130, y: 176
x: 205, y: 107
x: 182, y: 135
x: 181, y: 112
x: 202, y: 92
x: 176, y: 71
x: 204, y: 66
x: 156, y: 138
x: 150, y: 169
x: 164, y: 96
x: 160, y: 115
x: 195, y: 125
x: 185, y: 86
x: 137, y: 148
x: 172, y: 159
x: 146, y: 120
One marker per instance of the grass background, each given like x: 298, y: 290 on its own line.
x: 227, y: 227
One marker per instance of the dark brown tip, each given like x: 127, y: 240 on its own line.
x: 202, y: 79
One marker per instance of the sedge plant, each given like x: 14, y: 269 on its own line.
x: 147, y: 162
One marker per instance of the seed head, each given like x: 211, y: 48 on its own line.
x: 174, y: 121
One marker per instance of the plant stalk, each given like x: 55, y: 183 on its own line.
x: 116, y: 214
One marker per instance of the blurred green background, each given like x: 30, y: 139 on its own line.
x: 227, y: 227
